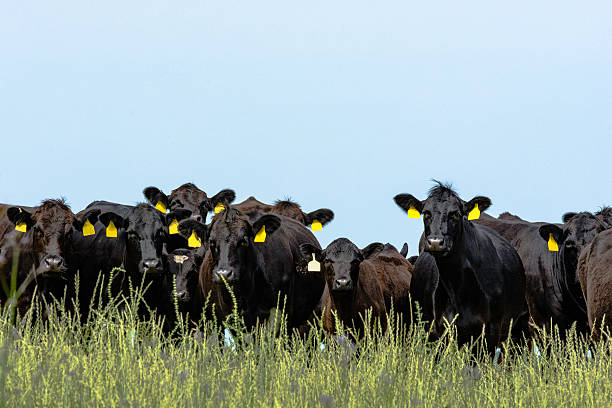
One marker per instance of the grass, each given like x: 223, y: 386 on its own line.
x: 117, y: 359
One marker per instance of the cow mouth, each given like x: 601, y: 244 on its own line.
x: 152, y: 271
x: 438, y: 252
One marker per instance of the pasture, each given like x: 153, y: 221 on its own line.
x: 117, y: 359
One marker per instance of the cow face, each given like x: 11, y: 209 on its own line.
x: 443, y: 216
x: 183, y: 265
x: 144, y: 233
x: 578, y: 230
x: 340, y: 263
x: 191, y: 198
x: 231, y: 242
x: 47, y: 235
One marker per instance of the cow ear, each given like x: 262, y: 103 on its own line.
x: 271, y: 223
x: 307, y: 249
x: 107, y: 217
x: 409, y: 203
x: 154, y: 196
x: 221, y: 200
x: 568, y: 216
x: 19, y: 216
x: 190, y: 226
x: 322, y: 215
x: 91, y: 216
x: 473, y: 212
x: 178, y: 215
x: 404, y: 251
x: 548, y: 230
x: 372, y: 249
x: 605, y: 215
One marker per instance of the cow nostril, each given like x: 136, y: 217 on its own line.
x: 181, y: 295
x: 342, y: 282
x: 53, y: 261
x: 227, y: 274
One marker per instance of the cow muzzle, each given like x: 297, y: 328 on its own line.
x: 224, y: 274
x: 53, y: 263
x: 342, y: 285
x: 152, y: 266
x: 436, y: 245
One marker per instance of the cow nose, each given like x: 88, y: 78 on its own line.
x: 435, y: 244
x: 227, y: 274
x: 151, y: 264
x: 181, y: 295
x: 342, y: 284
x: 53, y: 262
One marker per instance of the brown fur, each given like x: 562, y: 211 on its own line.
x: 595, y: 274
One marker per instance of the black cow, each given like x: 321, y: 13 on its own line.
x: 183, y: 269
x: 41, y: 236
x: 258, y: 258
x: 131, y: 237
x: 184, y: 202
x: 358, y: 281
x: 466, y: 272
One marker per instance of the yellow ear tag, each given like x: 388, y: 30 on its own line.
x: 314, y: 265
x: 220, y: 207
x: 111, y: 230
x: 413, y: 212
x: 194, y: 241
x: 22, y: 226
x: 552, y: 244
x: 261, y: 235
x: 173, y: 227
x: 88, y: 229
x: 161, y: 207
x: 474, y: 214
x: 316, y: 226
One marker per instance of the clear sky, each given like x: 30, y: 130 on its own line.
x: 339, y: 104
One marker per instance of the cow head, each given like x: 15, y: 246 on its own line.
x: 231, y: 239
x: 578, y: 230
x: 189, y: 197
x: 292, y: 210
x: 443, y: 216
x: 340, y: 262
x: 47, y: 233
x: 144, y: 233
x: 183, y: 265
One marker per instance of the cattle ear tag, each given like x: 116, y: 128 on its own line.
x: 552, y: 244
x: 194, y: 241
x: 161, y: 207
x: 88, y: 229
x: 316, y: 226
x: 474, y: 214
x: 22, y: 226
x: 314, y: 265
x: 413, y: 212
x: 220, y: 207
x: 261, y: 235
x: 173, y: 227
x: 111, y: 230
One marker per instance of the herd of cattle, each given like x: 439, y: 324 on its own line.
x: 504, y: 274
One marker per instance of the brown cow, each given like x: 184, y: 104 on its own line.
x: 595, y: 274
x: 41, y: 236
x: 251, y: 206
x: 358, y: 281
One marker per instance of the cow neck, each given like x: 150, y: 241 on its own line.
x: 566, y: 279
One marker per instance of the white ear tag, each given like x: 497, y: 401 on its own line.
x: 314, y: 265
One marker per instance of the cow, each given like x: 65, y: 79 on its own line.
x: 41, y: 237
x: 184, y: 202
x: 316, y: 219
x: 130, y: 237
x: 359, y: 281
x: 257, y: 258
x: 595, y: 275
x: 183, y: 268
x: 552, y: 291
x: 466, y: 272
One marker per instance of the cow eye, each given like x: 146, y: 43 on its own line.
x: 426, y: 215
x: 454, y: 215
x: 242, y: 243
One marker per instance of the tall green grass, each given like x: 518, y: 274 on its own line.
x: 117, y: 359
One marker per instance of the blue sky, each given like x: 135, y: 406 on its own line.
x: 335, y: 104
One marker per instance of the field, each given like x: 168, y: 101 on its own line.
x: 116, y: 359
